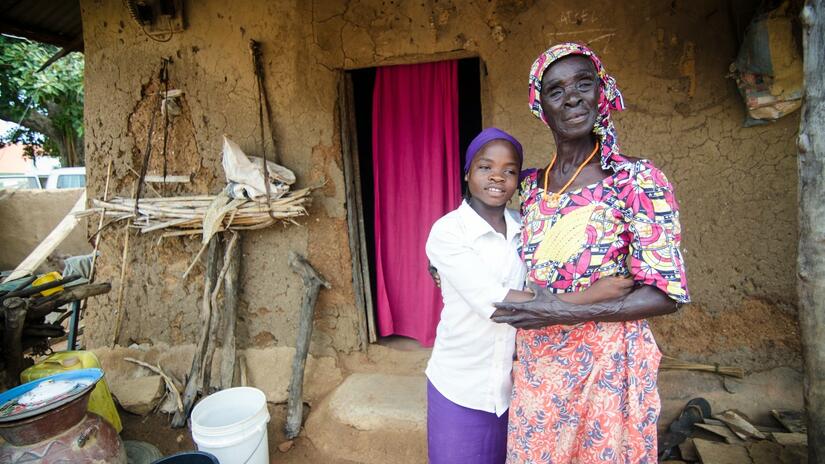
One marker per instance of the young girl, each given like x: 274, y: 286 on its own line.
x: 475, y: 250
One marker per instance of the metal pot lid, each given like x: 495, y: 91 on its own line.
x: 47, y: 393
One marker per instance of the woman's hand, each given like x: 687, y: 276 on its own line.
x: 548, y: 309
x: 606, y: 288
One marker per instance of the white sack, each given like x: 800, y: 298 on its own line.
x: 245, y: 174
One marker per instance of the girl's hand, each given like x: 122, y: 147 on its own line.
x: 434, y: 274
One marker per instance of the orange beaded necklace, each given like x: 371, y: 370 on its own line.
x: 554, y: 197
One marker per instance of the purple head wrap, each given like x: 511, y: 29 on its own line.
x: 488, y: 135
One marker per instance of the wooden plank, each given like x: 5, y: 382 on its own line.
x: 359, y: 211
x: 357, y: 206
x: 811, y: 252
x: 791, y: 439
x: 793, y: 421
x: 721, y: 453
x: 345, y: 111
x: 761, y: 428
x: 687, y: 449
x: 765, y: 452
x: 739, y: 425
x: 721, y: 431
x: 50, y: 243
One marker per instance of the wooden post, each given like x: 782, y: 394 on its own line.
x: 215, y: 321
x: 231, y: 285
x: 15, y: 312
x: 196, y: 374
x: 312, y: 285
x: 811, y: 259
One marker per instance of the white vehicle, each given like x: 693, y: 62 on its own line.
x: 19, y: 181
x: 62, y: 178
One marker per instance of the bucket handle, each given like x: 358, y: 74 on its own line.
x: 263, y: 435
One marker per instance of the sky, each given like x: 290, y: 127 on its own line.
x: 5, y: 126
x: 46, y: 163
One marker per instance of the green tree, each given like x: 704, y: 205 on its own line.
x: 48, y: 104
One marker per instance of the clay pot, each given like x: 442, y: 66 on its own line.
x: 68, y: 433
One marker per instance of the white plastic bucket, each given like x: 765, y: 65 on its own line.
x: 231, y: 424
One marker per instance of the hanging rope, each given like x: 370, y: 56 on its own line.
x: 263, y: 104
x: 163, y: 76
x: 165, y: 107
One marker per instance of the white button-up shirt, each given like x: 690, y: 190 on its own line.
x: 472, y: 358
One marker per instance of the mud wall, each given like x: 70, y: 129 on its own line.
x: 28, y: 216
x: 736, y: 185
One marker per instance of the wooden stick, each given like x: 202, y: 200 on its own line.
x: 166, y: 379
x: 242, y: 363
x: 15, y: 319
x: 811, y: 252
x: 100, y: 222
x: 230, y: 308
x: 215, y: 322
x: 195, y: 380
x: 678, y: 364
x: 194, y: 261
x: 168, y: 179
x: 312, y: 286
x: 50, y: 243
x: 78, y: 292
x: 124, y: 258
x: 137, y: 174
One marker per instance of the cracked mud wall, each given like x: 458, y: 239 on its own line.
x: 737, y: 186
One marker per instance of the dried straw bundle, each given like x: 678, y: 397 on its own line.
x: 204, y: 214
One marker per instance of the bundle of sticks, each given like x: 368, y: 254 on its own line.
x: 678, y: 364
x: 191, y: 215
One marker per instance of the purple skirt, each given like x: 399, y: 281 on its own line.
x: 459, y: 435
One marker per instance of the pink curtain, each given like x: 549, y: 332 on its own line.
x: 417, y: 180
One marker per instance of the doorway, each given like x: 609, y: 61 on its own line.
x: 359, y: 125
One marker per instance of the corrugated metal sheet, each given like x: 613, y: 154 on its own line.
x: 52, y: 21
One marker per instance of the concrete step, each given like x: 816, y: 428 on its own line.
x: 399, y: 356
x: 373, y: 418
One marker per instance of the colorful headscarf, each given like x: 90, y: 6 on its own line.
x: 610, y: 98
x: 488, y: 135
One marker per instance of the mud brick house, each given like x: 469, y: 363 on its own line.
x: 737, y: 185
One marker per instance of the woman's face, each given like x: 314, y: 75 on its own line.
x: 570, y: 97
x: 493, y: 175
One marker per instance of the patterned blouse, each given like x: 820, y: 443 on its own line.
x: 587, y: 392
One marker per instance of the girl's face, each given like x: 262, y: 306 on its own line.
x: 493, y: 175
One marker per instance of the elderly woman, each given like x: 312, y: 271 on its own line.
x: 585, y: 379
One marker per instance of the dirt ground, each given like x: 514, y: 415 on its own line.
x: 155, y: 429
x: 756, y: 335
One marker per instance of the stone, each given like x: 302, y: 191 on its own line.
x: 757, y: 394
x: 286, y: 446
x: 373, y: 419
x: 721, y: 453
x: 380, y: 401
x: 139, y: 395
x: 270, y: 370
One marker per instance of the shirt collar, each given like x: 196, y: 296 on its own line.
x: 477, y: 226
